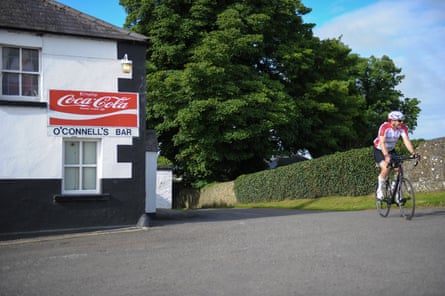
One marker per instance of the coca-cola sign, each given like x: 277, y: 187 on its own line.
x: 93, y: 102
x: 116, y: 113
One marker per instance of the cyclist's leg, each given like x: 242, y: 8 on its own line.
x: 395, y: 171
x: 379, y: 158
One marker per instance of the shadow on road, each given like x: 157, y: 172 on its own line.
x: 433, y: 212
x: 166, y: 217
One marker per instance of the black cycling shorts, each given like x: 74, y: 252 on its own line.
x: 378, y: 155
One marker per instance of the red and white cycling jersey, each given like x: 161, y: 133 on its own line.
x: 392, y: 135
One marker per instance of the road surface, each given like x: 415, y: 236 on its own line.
x: 237, y: 252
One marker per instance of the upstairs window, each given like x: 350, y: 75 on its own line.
x: 20, y: 73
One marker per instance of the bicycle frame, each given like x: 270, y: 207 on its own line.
x: 398, y: 177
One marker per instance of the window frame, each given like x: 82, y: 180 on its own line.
x: 21, y: 73
x: 80, y: 165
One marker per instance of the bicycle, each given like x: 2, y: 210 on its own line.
x: 399, y: 191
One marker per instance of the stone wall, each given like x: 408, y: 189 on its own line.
x: 218, y: 195
x: 212, y: 196
x: 429, y: 174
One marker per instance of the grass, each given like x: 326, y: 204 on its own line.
x: 341, y: 203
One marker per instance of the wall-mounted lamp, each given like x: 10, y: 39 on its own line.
x: 126, y: 64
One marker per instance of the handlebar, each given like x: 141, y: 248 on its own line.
x: 396, y: 160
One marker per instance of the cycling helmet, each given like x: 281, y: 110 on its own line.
x: 396, y: 115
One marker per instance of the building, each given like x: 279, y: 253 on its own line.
x: 73, y: 135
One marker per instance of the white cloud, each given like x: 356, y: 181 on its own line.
x: 412, y: 34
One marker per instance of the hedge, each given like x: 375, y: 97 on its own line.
x: 351, y: 173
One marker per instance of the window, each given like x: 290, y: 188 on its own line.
x: 80, y: 167
x: 20, y: 73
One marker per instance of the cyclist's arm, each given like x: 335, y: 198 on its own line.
x: 408, y: 144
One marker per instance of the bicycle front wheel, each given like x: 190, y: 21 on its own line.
x: 383, y: 206
x: 407, y: 203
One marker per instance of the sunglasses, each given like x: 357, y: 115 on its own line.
x: 399, y: 120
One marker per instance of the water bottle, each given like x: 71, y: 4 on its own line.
x: 393, y: 189
x: 393, y: 185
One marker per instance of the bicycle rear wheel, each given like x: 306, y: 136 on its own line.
x: 407, y: 203
x: 384, y: 205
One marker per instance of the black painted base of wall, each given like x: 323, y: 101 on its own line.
x: 36, y: 205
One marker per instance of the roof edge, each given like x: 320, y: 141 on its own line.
x: 42, y: 32
x: 93, y: 19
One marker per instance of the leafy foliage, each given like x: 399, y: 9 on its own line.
x: 164, y: 163
x: 377, y: 82
x: 232, y: 83
x: 350, y: 173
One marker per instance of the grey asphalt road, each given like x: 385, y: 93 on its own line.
x: 237, y: 252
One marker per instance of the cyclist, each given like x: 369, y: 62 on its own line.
x: 388, y: 135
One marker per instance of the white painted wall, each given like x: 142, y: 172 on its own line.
x: 26, y: 151
x: 164, y: 189
x: 67, y: 63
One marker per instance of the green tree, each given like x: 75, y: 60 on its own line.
x: 377, y: 82
x: 231, y: 83
x: 322, y: 84
x: 214, y: 93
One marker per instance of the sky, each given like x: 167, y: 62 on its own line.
x: 410, y: 32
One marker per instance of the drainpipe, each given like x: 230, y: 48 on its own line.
x: 151, y: 158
